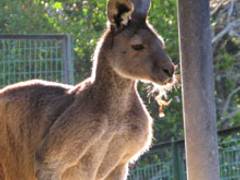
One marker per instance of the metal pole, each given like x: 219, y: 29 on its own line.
x: 68, y: 60
x: 197, y: 88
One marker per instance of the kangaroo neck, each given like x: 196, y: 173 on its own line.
x: 113, y: 90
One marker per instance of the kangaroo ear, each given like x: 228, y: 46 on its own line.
x: 141, y: 9
x: 119, y: 12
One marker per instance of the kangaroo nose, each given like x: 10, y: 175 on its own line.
x: 169, y: 70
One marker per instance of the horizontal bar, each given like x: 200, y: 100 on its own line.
x: 37, y: 37
x: 222, y: 132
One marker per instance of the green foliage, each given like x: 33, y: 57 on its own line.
x: 227, y: 80
x: 22, y: 17
x: 225, y: 61
x: 163, y: 16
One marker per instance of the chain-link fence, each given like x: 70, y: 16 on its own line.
x: 24, y: 57
x: 167, y: 161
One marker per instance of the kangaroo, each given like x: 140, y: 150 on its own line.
x: 93, y: 130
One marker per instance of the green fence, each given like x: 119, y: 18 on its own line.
x: 167, y: 161
x: 24, y: 57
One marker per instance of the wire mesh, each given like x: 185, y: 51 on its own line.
x: 33, y: 57
x: 159, y: 171
x: 230, y: 157
x: 166, y: 166
x: 160, y: 166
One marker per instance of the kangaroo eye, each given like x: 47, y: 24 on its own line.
x: 138, y: 47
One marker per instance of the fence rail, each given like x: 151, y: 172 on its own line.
x: 24, y: 57
x: 166, y: 161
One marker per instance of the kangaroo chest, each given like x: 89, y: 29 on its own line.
x: 127, y: 136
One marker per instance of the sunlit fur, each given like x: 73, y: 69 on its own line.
x: 90, y: 131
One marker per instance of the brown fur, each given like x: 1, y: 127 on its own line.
x: 91, y: 131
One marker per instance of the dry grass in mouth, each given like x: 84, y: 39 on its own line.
x: 160, y: 93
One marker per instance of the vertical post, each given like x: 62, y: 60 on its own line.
x: 177, y: 161
x: 68, y: 60
x: 197, y: 89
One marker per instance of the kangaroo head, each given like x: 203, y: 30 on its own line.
x: 137, y: 51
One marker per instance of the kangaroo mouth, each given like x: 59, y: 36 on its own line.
x: 169, y: 80
x: 163, y: 79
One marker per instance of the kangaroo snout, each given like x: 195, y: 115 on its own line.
x: 163, y: 72
x: 169, y: 69
x: 168, y: 76
x: 167, y: 72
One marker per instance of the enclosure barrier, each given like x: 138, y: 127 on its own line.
x: 24, y: 57
x: 166, y: 161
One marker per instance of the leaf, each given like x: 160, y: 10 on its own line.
x: 58, y: 5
